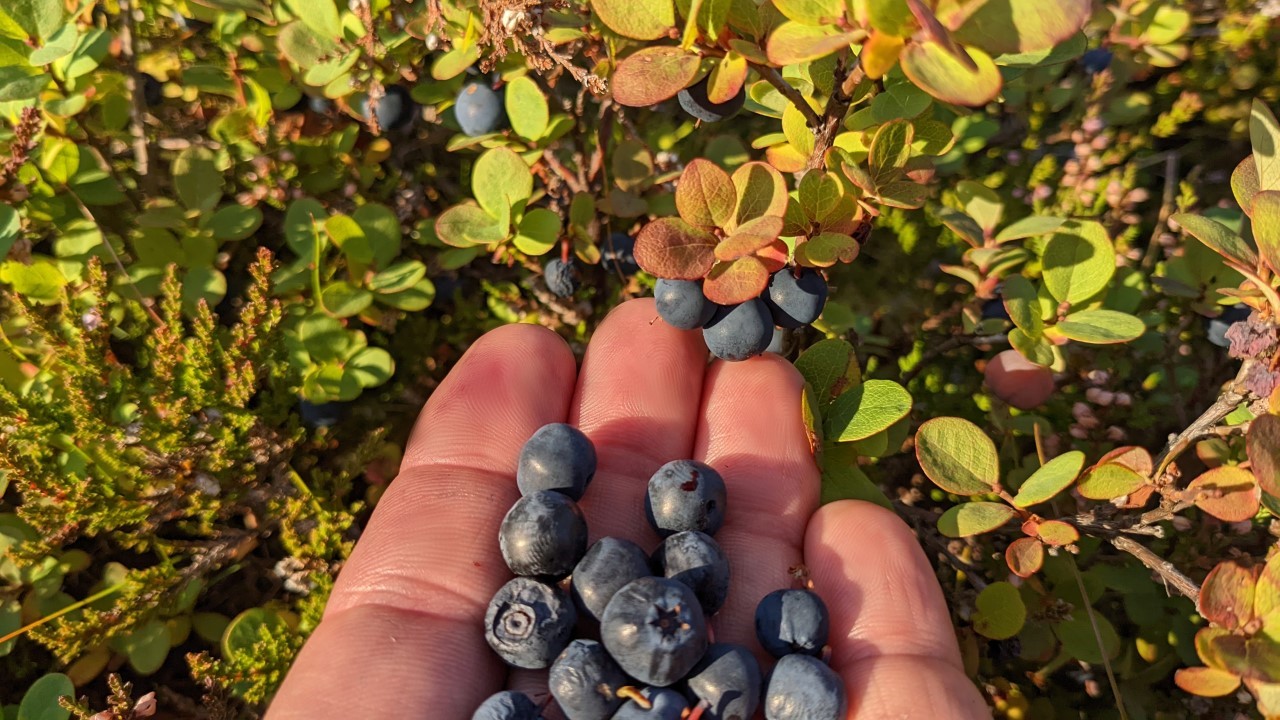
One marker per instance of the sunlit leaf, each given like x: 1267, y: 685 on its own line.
x: 974, y: 518
x: 1024, y: 556
x: 957, y: 456
x: 1228, y: 493
x: 1052, y: 478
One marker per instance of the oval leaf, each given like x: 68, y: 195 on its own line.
x: 1206, y: 682
x: 526, y: 108
x: 673, y: 249
x: 1218, y: 238
x: 793, y: 42
x: 1101, y: 327
x: 866, y: 410
x: 1078, y: 261
x: 761, y: 191
x: 1263, y: 445
x: 974, y: 518
x: 705, y: 195
x: 936, y: 71
x: 1052, y: 478
x: 41, y: 699
x: 741, y: 245
x: 653, y: 75
x: 648, y: 20
x: 1016, y: 26
x: 1057, y: 533
x: 1024, y: 556
x: 957, y: 456
x: 1000, y: 612
x: 1108, y: 481
x: 1228, y: 493
x: 1226, y: 597
x: 731, y: 283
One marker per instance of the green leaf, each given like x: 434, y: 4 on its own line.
x: 981, y: 203
x: 653, y: 74
x: 38, y: 18
x: 18, y: 83
x: 796, y: 129
x: 1109, y: 481
x: 1080, y: 641
x: 648, y: 20
x: 1032, y: 226
x: 381, y: 230
x: 811, y: 12
x: 1264, y: 132
x: 890, y: 149
x: 632, y: 170
x: 538, y: 232
x: 526, y: 108
x: 300, y: 222
x: 500, y: 181
x: 1078, y: 261
x: 974, y: 518
x: 1218, y: 238
x: 1266, y: 226
x: 761, y: 191
x: 203, y: 282
x: 10, y: 616
x: 1052, y: 478
x: 1019, y: 26
x: 1101, y: 327
x: 866, y: 409
x: 343, y: 299
x: 959, y: 223
x: 10, y: 228
x: 371, y: 366
x: 957, y: 456
x: 235, y: 222
x: 302, y: 46
x: 829, y: 366
x: 672, y: 248
x: 148, y: 646
x: 196, y: 179
x: 705, y: 195
x: 466, y: 225
x: 455, y: 61
x: 57, y: 47
x: 842, y: 479
x: 400, y: 276
x: 39, y: 282
x: 793, y: 42
x: 1023, y: 305
x: 936, y: 71
x: 245, y: 630
x: 819, y: 194
x: 418, y: 297
x: 41, y: 699
x: 1244, y: 184
x: 323, y: 337
x: 319, y: 15
x: 999, y: 613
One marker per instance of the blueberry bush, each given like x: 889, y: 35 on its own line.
x: 1024, y: 252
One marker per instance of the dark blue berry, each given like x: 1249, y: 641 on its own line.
x: 664, y: 704
x: 395, y: 109
x: 318, y: 415
x: 796, y: 301
x: 792, y: 621
x: 557, y: 457
x: 802, y: 687
x: 681, y: 303
x: 319, y: 105
x: 728, y: 680
x: 685, y: 495
x: 655, y: 630
x: 619, y: 254
x: 529, y: 623
x: 507, y: 705
x: 994, y: 309
x: 562, y: 277
x: 478, y: 109
x: 693, y: 558
x: 608, y: 565
x: 739, y: 332
x: 152, y: 90
x: 695, y: 102
x: 584, y: 681
x: 543, y: 535
x: 1217, y: 327
x: 1096, y: 60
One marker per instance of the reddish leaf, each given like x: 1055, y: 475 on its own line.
x: 730, y: 283
x: 1263, y: 445
x: 1057, y: 532
x: 1266, y: 594
x: 775, y: 256
x: 673, y: 249
x: 1226, y: 598
x: 705, y: 195
x: 741, y: 245
x: 761, y: 191
x: 653, y: 74
x: 1024, y: 556
x: 1206, y: 682
x: 726, y: 78
x: 1138, y: 498
x: 1133, y: 457
x: 1228, y: 493
x: 767, y: 226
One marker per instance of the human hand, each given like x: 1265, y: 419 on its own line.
x: 403, y: 633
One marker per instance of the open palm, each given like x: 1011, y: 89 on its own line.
x: 403, y: 632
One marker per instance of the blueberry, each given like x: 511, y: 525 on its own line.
x: 478, y: 109
x: 655, y: 630
x: 681, y: 303
x: 792, y: 621
x: 796, y: 301
x: 728, y: 680
x: 1096, y: 60
x: 685, y: 495
x: 994, y: 309
x: 608, y: 565
x: 557, y: 457
x: 1217, y: 327
x: 562, y: 278
x: 664, y: 704
x: 543, y: 535
x: 695, y: 102
x: 739, y: 332
x: 319, y: 104
x: 619, y: 254
x: 777, y: 342
x: 693, y: 558
x: 529, y: 623
x: 584, y: 681
x: 802, y: 687
x: 395, y: 108
x: 318, y: 415
x: 152, y: 90
x: 507, y: 705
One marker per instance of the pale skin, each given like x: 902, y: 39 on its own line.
x: 402, y: 635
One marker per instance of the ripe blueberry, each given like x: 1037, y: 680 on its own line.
x: 694, y: 559
x: 395, y: 108
x: 152, y: 90
x: 792, y: 621
x: 608, y: 565
x: 619, y: 254
x: 681, y: 303
x: 529, y: 623
x: 543, y: 535
x: 728, y: 680
x: 695, y: 102
x: 562, y: 277
x: 584, y: 681
x: 739, y: 332
x: 663, y: 704
x: 507, y: 705
x: 1096, y: 60
x: 802, y: 687
x: 994, y: 309
x: 655, y: 630
x: 557, y: 457
x: 685, y: 495
x: 796, y: 301
x: 318, y: 415
x: 1217, y: 327
x: 478, y: 109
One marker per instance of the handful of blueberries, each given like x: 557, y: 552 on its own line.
x: 654, y: 658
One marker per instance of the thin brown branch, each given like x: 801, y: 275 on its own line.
x: 1228, y: 400
x: 563, y: 172
x: 1166, y: 208
x: 789, y: 91
x: 1171, y: 576
x: 833, y: 116
x: 137, y: 105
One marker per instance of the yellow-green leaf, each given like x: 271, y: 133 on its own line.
x: 1079, y: 261
x: 644, y: 20
x: 1000, y: 612
x: 1052, y: 478
x: 794, y: 42
x: 974, y: 518
x: 1108, y: 481
x: 1101, y: 327
x: 866, y: 410
x: 936, y: 71
x: 957, y: 456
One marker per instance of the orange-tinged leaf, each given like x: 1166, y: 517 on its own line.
x: 880, y: 53
x: 827, y: 249
x: 731, y: 283
x: 794, y: 42
x: 1017, y: 26
x: 705, y: 195
x: 1207, y: 647
x: 1138, y: 498
x: 945, y: 77
x: 1024, y: 556
x: 673, y: 249
x: 785, y: 158
x: 727, y: 78
x: 740, y: 245
x: 1266, y: 594
x: 1206, y: 682
x: 1057, y: 532
x: 760, y: 190
x: 775, y: 256
x: 1244, y: 184
x: 768, y: 226
x: 653, y: 74
x: 1134, y: 457
x: 1109, y: 480
x: 1228, y: 493
x: 1226, y: 597
x: 1267, y: 695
